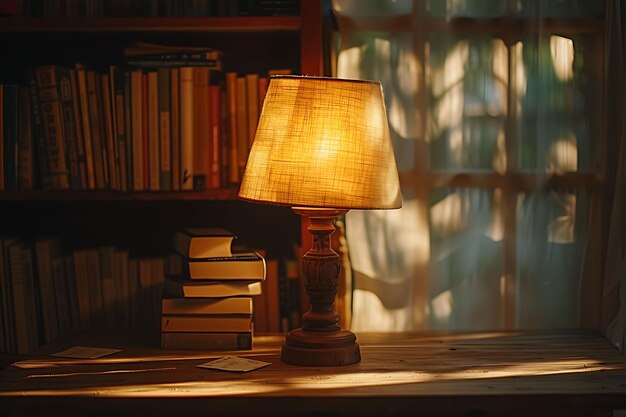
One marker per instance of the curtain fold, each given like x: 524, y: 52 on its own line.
x: 614, y: 288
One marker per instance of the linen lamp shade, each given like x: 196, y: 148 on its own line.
x: 322, y: 142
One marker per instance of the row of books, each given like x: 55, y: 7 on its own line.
x: 276, y: 299
x: 47, y: 293
x: 210, y: 301
x: 219, y: 297
x: 163, y: 129
x: 148, y: 8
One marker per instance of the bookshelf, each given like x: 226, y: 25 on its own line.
x: 144, y: 221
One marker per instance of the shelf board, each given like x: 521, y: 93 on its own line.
x: 152, y: 24
x: 224, y: 194
x: 518, y: 25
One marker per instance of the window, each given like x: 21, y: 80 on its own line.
x: 496, y: 114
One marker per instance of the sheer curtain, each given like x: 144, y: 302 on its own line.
x: 496, y: 112
x: 614, y: 290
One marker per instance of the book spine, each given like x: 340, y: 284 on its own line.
x: 119, y: 128
x: 233, y: 136
x: 260, y: 315
x: 45, y: 250
x: 224, y: 139
x: 10, y: 138
x: 19, y: 300
x: 175, y: 121
x: 128, y: 129
x: 215, y: 122
x: 186, y: 128
x: 105, y: 257
x: 191, y: 306
x: 110, y: 142
x: 25, y: 145
x: 242, y: 125
x: 50, y: 106
x: 102, y: 123
x: 33, y: 310
x: 83, y: 292
x: 78, y: 129
x: 69, y: 126
x: 95, y: 288
x: 137, y: 129
x: 121, y: 266
x: 133, y: 293
x: 153, y: 131
x: 81, y: 76
x: 273, y: 303
x: 252, y: 91
x: 165, y: 130
x: 208, y: 323
x: 61, y: 292
x: 95, y: 125
x: 39, y: 138
x: 72, y: 292
x: 201, y: 129
x: 145, y: 139
x: 208, y: 341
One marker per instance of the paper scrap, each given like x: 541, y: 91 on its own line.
x: 234, y: 364
x: 85, y: 352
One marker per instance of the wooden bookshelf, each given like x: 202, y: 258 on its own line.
x: 151, y: 24
x: 222, y: 194
x: 142, y: 223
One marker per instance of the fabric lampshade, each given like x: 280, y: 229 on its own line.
x: 322, y: 142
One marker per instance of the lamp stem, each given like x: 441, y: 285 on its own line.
x: 320, y: 341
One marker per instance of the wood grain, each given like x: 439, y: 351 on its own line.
x: 573, y: 370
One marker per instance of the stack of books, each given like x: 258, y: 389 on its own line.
x: 209, y: 304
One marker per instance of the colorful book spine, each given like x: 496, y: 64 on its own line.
x: 95, y: 124
x: 39, y: 138
x: 119, y: 122
x: 215, y: 136
x: 153, y: 132
x: 69, y: 126
x: 165, y: 129
x: 233, y: 135
x: 206, y: 340
x: 10, y: 135
x: 51, y: 117
x: 80, y: 141
x: 25, y: 143
x: 109, y: 132
x: 175, y: 123
x: 186, y: 128
x: 137, y: 129
x: 201, y: 129
x: 81, y: 77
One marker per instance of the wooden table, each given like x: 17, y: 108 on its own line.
x: 514, y: 373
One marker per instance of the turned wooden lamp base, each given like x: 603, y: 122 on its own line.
x: 320, y: 348
x: 320, y: 341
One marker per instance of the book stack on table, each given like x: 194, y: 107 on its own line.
x: 209, y: 305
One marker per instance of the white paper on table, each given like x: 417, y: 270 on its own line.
x: 85, y: 352
x: 234, y: 364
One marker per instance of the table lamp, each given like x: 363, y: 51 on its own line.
x: 322, y: 146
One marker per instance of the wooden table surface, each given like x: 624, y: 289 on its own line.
x: 573, y: 372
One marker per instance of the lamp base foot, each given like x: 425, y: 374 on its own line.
x: 319, y: 348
